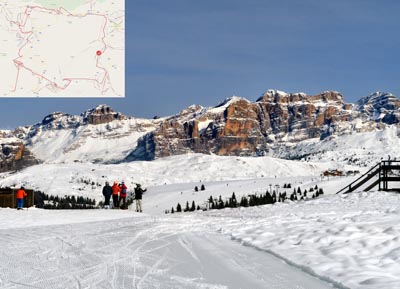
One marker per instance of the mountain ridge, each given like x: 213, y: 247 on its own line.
x: 236, y: 126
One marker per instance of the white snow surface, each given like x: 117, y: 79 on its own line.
x: 90, y: 143
x: 87, y: 179
x: 334, y: 241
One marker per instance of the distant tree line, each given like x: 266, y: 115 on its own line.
x: 44, y: 201
x: 250, y: 200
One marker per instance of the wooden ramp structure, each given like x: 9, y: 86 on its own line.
x: 381, y: 175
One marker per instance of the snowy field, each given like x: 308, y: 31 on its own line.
x: 334, y: 241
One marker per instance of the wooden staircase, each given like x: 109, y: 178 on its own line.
x: 383, y: 171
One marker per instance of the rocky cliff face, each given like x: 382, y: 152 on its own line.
x: 15, y: 156
x: 380, y: 106
x: 101, y: 114
x: 240, y: 127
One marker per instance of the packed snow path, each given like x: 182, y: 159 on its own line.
x: 139, y: 252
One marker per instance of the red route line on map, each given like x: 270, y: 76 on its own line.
x: 20, y: 64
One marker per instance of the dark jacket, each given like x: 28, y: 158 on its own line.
x: 139, y: 192
x: 107, y: 191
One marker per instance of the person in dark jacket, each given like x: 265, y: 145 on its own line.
x: 138, y: 197
x: 107, y: 192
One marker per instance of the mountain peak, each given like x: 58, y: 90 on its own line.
x: 101, y: 114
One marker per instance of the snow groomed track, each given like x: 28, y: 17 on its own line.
x: 139, y: 252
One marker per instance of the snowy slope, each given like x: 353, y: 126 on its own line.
x: 89, y: 143
x: 346, y: 241
x: 362, y: 149
x: 87, y: 179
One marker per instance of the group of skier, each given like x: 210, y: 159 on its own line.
x: 119, y: 193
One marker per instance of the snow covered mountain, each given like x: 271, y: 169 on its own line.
x: 286, y: 125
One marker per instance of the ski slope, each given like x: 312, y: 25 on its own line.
x: 335, y: 241
x: 139, y: 252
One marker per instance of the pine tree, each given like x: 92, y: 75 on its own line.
x: 196, y: 189
x: 234, y: 201
x: 202, y: 187
x: 172, y: 210
x: 268, y: 198
x: 244, y: 202
x: 193, y: 207
x: 299, y: 191
x: 178, y: 208
x: 220, y: 202
x: 187, y: 207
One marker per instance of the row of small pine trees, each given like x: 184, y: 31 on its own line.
x: 250, y: 200
x: 44, y: 201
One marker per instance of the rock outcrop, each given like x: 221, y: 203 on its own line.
x: 240, y: 127
x: 101, y: 114
x: 15, y: 156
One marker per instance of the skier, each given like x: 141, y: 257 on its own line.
x: 115, y: 192
x: 122, y: 195
x: 138, y: 197
x: 107, y: 192
x: 21, y: 194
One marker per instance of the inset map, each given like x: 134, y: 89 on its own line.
x: 62, y: 48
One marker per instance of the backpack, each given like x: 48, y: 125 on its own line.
x: 123, y: 191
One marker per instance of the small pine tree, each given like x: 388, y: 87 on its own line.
x: 220, y: 202
x: 233, y: 200
x: 202, y: 187
x: 244, y: 202
x: 196, y: 189
x: 178, y: 208
x: 193, y: 207
x: 172, y: 210
x: 187, y: 207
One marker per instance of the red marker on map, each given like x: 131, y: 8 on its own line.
x: 98, y: 52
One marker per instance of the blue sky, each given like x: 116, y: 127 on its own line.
x: 183, y: 52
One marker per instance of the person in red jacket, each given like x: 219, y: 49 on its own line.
x: 122, y: 195
x: 21, y: 194
x: 115, y: 191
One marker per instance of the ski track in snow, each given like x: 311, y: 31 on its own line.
x: 140, y: 252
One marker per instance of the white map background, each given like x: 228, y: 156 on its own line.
x: 62, y: 48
